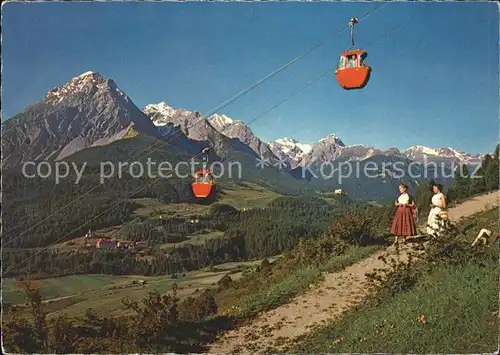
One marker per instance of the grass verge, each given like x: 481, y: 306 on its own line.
x: 452, y: 308
x: 458, y: 303
x: 280, y: 289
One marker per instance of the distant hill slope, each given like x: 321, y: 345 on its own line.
x: 233, y: 166
x: 375, y: 178
x: 101, y: 195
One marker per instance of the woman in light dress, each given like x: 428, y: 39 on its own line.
x: 438, y: 204
x: 403, y: 224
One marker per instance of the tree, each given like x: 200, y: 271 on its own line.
x: 491, y: 172
x: 206, y: 304
x: 462, y: 184
x: 63, y: 336
x: 423, y: 196
x: 153, y: 321
x: 225, y: 282
x: 23, y: 335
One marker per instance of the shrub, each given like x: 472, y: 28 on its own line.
x: 225, y: 282
x: 396, y: 277
x: 351, y: 227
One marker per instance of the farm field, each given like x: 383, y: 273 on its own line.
x: 240, y: 195
x: 74, y: 294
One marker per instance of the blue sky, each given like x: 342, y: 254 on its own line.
x: 434, y: 82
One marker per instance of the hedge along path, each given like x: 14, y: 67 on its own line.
x: 274, y: 330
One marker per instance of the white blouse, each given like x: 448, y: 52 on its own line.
x: 436, y: 200
x: 404, y: 198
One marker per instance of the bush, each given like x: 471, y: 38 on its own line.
x: 453, y: 248
x: 225, y: 282
x: 221, y: 208
x: 351, y: 226
x: 396, y: 277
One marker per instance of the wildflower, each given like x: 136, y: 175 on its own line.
x: 421, y: 319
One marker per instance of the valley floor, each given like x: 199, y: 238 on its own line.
x: 73, y: 295
x: 277, y: 329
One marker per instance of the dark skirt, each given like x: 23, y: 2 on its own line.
x: 403, y: 223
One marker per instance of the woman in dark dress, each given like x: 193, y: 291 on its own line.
x: 403, y: 224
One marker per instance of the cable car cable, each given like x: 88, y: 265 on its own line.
x: 322, y: 75
x: 253, y: 86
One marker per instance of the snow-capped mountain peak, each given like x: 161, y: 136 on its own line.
x: 333, y: 139
x: 289, y: 149
x: 88, y: 110
x: 160, y: 113
x: 420, y: 152
x: 286, y: 141
x: 85, y: 74
x: 237, y: 129
x: 291, y: 145
x: 220, y: 130
x: 221, y: 121
x: 76, y: 85
x: 326, y: 149
x: 422, y: 149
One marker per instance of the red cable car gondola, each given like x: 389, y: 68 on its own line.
x: 204, y: 180
x: 351, y: 72
x: 203, y: 184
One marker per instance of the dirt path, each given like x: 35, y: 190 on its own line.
x: 272, y: 330
x: 474, y: 205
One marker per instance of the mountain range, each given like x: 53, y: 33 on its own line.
x: 216, y: 129
x: 292, y: 151
x: 90, y: 111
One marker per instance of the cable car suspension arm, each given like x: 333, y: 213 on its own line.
x: 352, y: 22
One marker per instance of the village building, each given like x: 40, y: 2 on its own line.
x: 141, y: 244
x: 105, y: 243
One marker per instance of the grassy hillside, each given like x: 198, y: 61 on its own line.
x: 455, y: 288
x: 237, y: 165
x: 185, y: 239
x: 138, y: 148
x: 239, y: 194
x: 271, y: 177
x: 104, y: 194
x: 239, y: 290
x: 460, y: 305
